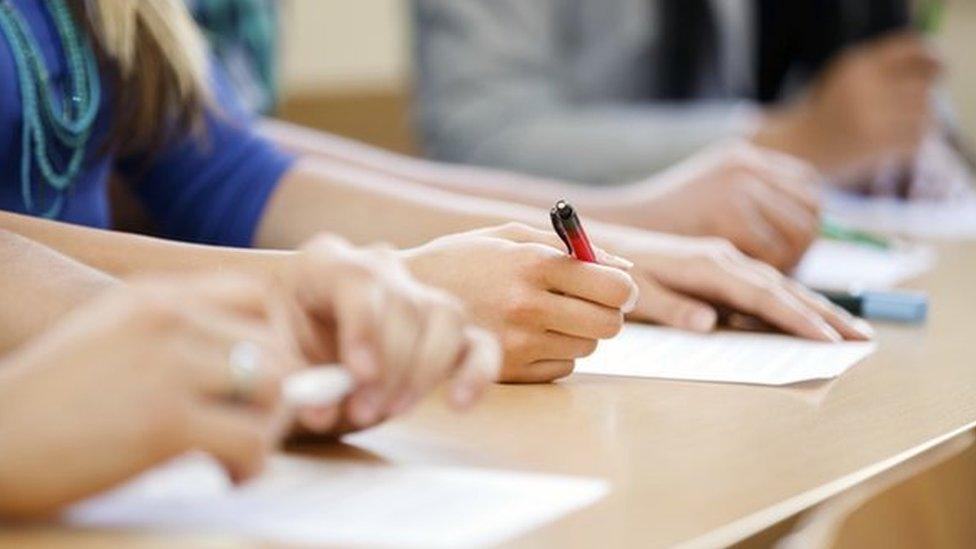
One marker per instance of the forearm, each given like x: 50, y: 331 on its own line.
x: 124, y: 254
x: 474, y: 181
x: 367, y: 207
x: 37, y: 286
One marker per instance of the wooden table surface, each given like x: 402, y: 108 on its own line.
x: 703, y: 464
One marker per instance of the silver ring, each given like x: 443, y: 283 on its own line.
x: 245, y: 368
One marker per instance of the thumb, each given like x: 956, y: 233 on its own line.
x: 481, y: 366
x: 663, y: 306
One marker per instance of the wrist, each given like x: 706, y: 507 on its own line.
x: 644, y: 205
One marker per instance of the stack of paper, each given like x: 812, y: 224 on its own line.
x: 846, y: 266
x: 732, y: 357
x: 954, y: 219
x: 316, y: 502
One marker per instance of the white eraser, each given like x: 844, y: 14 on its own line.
x: 319, y: 386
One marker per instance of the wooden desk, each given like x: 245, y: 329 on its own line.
x: 700, y: 463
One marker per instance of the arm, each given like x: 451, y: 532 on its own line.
x: 470, y: 180
x: 38, y: 286
x: 130, y: 380
x: 123, y: 254
x: 367, y: 206
x: 492, y: 90
x: 678, y: 276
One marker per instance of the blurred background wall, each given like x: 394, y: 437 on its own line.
x: 347, y: 67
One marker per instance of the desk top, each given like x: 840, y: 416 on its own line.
x: 705, y: 464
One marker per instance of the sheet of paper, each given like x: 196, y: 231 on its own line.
x: 318, y: 502
x: 955, y: 219
x: 834, y: 265
x: 730, y: 357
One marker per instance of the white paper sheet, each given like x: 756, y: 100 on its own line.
x: 731, y: 357
x: 318, y: 502
x: 834, y: 265
x: 955, y: 219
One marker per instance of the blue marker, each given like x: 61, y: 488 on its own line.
x: 897, y: 306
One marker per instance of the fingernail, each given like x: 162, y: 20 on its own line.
x: 631, y: 303
x: 702, y: 320
x: 366, y: 407
x: 611, y: 260
x: 863, y: 327
x: 829, y: 332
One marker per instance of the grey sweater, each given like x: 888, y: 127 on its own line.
x: 565, y: 88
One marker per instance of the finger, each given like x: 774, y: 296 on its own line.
x: 802, y: 191
x: 358, y: 317
x: 525, y: 234
x: 240, y: 439
x: 480, y: 366
x: 795, y: 225
x: 756, y: 236
x: 207, y: 354
x: 400, y: 338
x: 365, y: 406
x: 349, y: 294
x: 847, y: 325
x: 789, y: 175
x: 319, y: 419
x: 555, y: 346
x: 753, y: 288
x: 540, y: 372
x: 575, y: 317
x: 438, y: 354
x: 663, y: 306
x: 311, y: 338
x: 763, y: 292
x: 596, y: 283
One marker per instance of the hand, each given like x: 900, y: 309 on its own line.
x: 764, y: 202
x: 398, y: 338
x: 683, y: 280
x: 547, y: 308
x: 137, y: 377
x: 872, y: 103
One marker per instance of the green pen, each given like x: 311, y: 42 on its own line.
x: 833, y: 231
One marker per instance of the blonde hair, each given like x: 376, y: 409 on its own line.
x: 159, y: 60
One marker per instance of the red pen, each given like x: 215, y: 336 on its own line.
x: 567, y: 225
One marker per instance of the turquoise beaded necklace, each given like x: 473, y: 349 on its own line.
x: 46, y: 121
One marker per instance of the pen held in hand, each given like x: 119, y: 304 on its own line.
x: 567, y: 225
